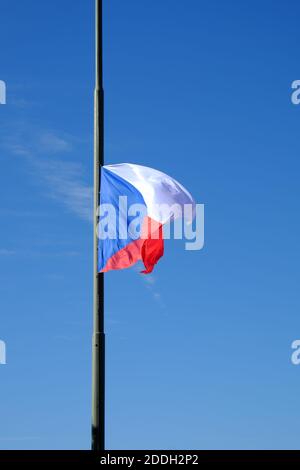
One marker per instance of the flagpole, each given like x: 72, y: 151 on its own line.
x: 98, y: 365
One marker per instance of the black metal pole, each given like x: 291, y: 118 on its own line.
x: 98, y: 366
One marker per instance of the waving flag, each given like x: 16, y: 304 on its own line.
x: 135, y: 203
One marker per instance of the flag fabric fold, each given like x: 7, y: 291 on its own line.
x: 135, y: 202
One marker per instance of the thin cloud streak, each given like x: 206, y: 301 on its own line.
x: 5, y: 252
x: 66, y: 187
x: 64, y: 179
x: 149, y: 281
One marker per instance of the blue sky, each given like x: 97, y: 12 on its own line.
x: 198, y: 355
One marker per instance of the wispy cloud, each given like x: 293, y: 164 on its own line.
x: 53, y: 143
x: 5, y: 252
x: 29, y: 141
x: 64, y: 179
x: 18, y: 149
x: 159, y: 299
x: 149, y: 280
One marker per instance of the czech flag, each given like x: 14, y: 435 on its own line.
x: 159, y: 198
